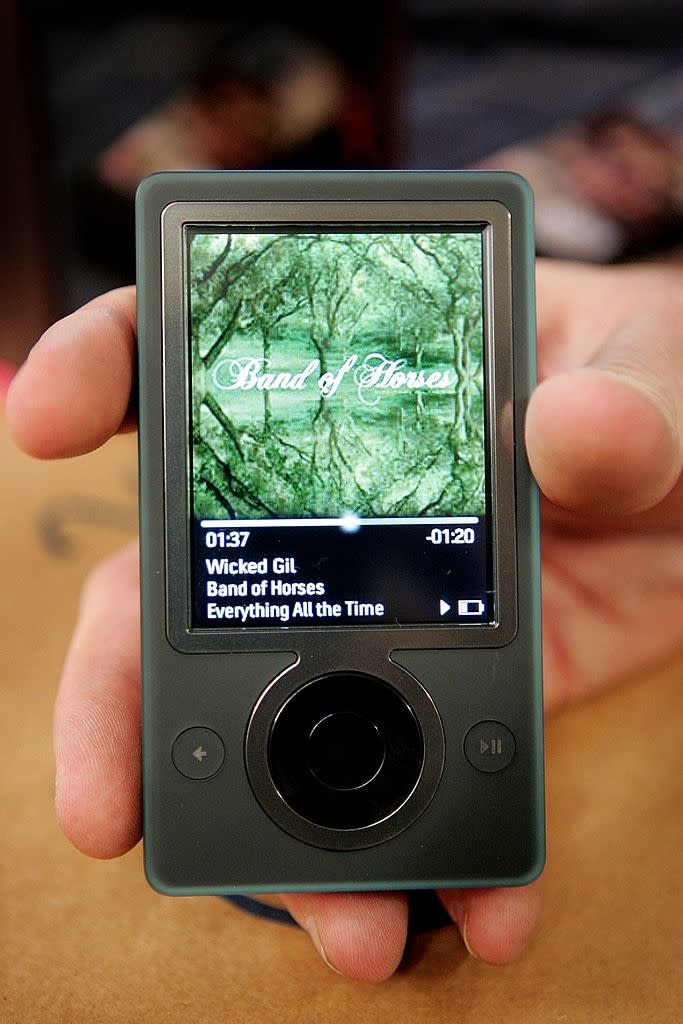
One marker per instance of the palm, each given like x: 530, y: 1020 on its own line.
x: 613, y: 605
x: 612, y: 584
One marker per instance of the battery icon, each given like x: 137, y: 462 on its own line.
x: 471, y: 607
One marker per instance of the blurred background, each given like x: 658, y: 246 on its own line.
x: 585, y: 99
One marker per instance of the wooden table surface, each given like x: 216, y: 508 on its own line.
x: 84, y: 940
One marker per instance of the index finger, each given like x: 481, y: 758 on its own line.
x: 73, y: 392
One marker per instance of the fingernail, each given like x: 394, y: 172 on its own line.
x: 465, y: 938
x: 460, y: 916
x: 311, y: 926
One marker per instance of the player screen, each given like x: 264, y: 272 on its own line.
x: 339, y: 471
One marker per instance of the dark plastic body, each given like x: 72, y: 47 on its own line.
x: 474, y: 827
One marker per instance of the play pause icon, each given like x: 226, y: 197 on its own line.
x: 495, y: 746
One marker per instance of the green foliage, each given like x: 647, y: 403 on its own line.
x: 289, y: 300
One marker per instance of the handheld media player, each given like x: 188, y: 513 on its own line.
x: 339, y: 531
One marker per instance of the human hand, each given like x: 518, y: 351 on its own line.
x: 604, y: 441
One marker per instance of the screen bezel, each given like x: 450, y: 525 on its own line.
x: 492, y: 219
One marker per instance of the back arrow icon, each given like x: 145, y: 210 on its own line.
x: 199, y: 753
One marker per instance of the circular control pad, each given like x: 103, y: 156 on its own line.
x: 345, y: 750
x: 341, y: 761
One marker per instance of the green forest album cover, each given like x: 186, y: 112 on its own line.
x: 337, y: 373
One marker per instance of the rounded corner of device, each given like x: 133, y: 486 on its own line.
x: 516, y: 193
x: 514, y: 180
x: 161, y: 885
x: 158, y: 190
x: 534, y: 870
x: 149, y: 186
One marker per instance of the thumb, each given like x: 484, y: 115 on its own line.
x: 606, y: 438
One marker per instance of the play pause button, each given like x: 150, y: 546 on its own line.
x: 494, y: 746
x: 489, y: 746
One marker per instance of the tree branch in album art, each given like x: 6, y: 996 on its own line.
x: 337, y: 373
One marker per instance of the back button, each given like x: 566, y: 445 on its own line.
x: 198, y: 753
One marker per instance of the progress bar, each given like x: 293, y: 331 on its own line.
x: 342, y: 522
